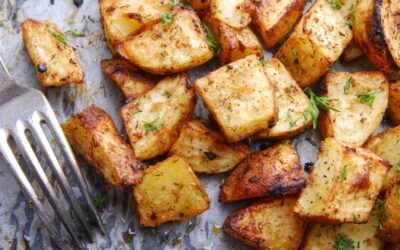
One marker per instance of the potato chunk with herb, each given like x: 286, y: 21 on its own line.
x: 205, y: 150
x: 239, y: 97
x: 51, y: 54
x: 93, y: 135
x: 394, y: 101
x: 291, y: 101
x: 153, y: 120
x: 273, y: 172
x: 389, y: 215
x: 235, y: 13
x: 170, y: 191
x: 132, y: 81
x: 343, y: 184
x: 267, y: 224
x: 359, y: 103
x: 387, y: 146
x: 171, y: 46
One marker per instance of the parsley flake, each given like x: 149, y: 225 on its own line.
x: 347, y: 85
x: 295, y: 52
x: 213, y: 44
x: 167, y: 94
x: 398, y: 167
x: 59, y: 37
x: 367, y: 98
x: 343, y: 174
x: 335, y: 4
x: 168, y: 18
x: 379, y: 208
x: 154, y: 125
x: 101, y: 201
x: 75, y: 33
x: 173, y: 3
x: 343, y: 243
x: 263, y: 62
x: 289, y: 120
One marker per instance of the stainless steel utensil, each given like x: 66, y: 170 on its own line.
x: 25, y: 110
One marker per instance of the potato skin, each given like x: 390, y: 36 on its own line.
x: 170, y: 191
x: 273, y: 19
x: 44, y: 48
x: 369, y: 35
x: 352, y: 52
x: 93, y: 135
x: 267, y: 224
x: 273, y: 172
x: 164, y: 49
x: 132, y: 81
x: 206, y: 150
x: 394, y: 101
x: 391, y: 214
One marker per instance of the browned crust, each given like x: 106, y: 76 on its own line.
x: 394, y: 102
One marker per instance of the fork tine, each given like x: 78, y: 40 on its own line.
x: 39, y: 135
x: 27, y: 188
x: 58, y: 134
x: 30, y: 157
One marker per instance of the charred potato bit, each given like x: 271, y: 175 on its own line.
x: 343, y: 184
x: 205, y: 150
x: 169, y: 47
x: 291, y: 101
x: 315, y: 44
x: 387, y: 146
x: 273, y: 20
x: 235, y: 13
x: 275, y: 171
x: 267, y: 224
x: 132, y: 81
x: 394, y: 101
x: 360, y: 100
x: 93, y: 135
x: 153, y: 120
x: 352, y: 52
x: 240, y: 88
x: 200, y: 5
x: 53, y: 57
x: 170, y: 191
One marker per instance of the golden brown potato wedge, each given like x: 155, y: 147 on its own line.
x: 343, y: 184
x: 345, y: 236
x: 352, y: 52
x: 394, y: 101
x: 235, y: 13
x: 390, y: 214
x: 132, y: 81
x: 93, y: 135
x: 275, y: 171
x: 153, y: 120
x: 241, y: 87
x: 205, y: 150
x: 51, y: 54
x: 169, y: 47
x: 170, y: 191
x: 390, y: 20
x: 316, y: 43
x: 371, y: 26
x: 291, y: 101
x: 200, y: 5
x: 267, y: 224
x: 235, y: 43
x: 122, y: 18
x: 274, y: 19
x: 361, y: 101
x: 387, y: 146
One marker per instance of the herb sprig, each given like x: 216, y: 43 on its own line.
x: 379, y: 208
x: 367, y: 98
x: 347, y: 85
x: 168, y: 18
x: 75, y: 33
x: 213, y: 44
x: 343, y: 243
x: 343, y: 174
x: 335, y: 4
x: 59, y: 37
x: 154, y: 125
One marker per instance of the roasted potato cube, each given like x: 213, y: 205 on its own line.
x: 390, y: 212
x: 376, y: 32
x: 235, y: 43
x: 343, y: 184
x: 394, y: 102
x: 239, y: 97
x: 235, y: 13
x: 93, y: 135
x: 122, y: 18
x: 387, y: 146
x: 345, y: 236
x: 153, y: 120
x: 361, y: 101
x: 165, y: 48
x: 170, y: 191
x: 132, y: 81
x: 352, y: 52
x: 51, y: 54
x: 291, y: 101
x: 267, y: 224
x: 205, y: 150
x: 273, y: 20
x: 316, y: 43
x: 273, y: 172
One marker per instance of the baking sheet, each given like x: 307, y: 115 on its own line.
x: 20, y: 228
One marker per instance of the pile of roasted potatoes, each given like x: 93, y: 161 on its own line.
x: 351, y: 197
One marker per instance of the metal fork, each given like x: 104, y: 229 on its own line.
x: 25, y: 110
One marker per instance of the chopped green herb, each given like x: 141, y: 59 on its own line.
x: 335, y: 4
x: 213, y: 44
x: 168, y: 18
x: 343, y: 174
x: 263, y: 62
x: 60, y: 38
x: 289, y: 120
x: 310, y: 139
x: 145, y: 17
x: 101, y: 201
x: 398, y: 167
x: 1, y: 25
x: 249, y: 141
x: 343, y: 243
x: 167, y: 94
x: 76, y: 33
x: 173, y: 3
x: 347, y: 85
x: 138, y: 111
x: 367, y: 98
x: 379, y: 208
x: 295, y: 52
x: 154, y: 125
